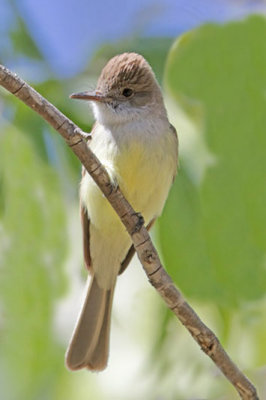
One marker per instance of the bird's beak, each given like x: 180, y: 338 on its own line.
x: 90, y: 96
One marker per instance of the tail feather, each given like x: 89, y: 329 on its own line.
x: 89, y: 346
x: 99, y: 355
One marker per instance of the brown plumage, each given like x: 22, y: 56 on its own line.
x: 128, y: 68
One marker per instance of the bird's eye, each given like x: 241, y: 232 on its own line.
x: 127, y: 92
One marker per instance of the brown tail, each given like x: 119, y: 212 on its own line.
x: 89, y: 346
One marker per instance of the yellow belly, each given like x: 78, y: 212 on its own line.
x: 144, y: 174
x: 144, y: 179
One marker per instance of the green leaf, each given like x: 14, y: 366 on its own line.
x: 213, y: 231
x: 21, y: 38
x: 32, y: 250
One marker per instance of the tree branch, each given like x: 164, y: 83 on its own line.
x: 147, y: 254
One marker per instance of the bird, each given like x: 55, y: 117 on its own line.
x: 134, y: 140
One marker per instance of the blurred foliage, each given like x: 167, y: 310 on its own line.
x: 32, y: 242
x: 22, y: 42
x: 33, y: 236
x: 213, y: 229
x: 211, y: 233
x: 218, y: 225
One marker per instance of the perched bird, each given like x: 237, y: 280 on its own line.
x: 134, y: 140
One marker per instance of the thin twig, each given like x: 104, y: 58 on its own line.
x: 147, y: 254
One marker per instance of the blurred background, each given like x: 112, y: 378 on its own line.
x: 210, y: 59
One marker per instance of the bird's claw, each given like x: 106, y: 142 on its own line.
x: 139, y: 223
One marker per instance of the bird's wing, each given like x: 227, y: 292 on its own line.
x: 85, y: 224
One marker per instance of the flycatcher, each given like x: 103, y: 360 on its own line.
x: 134, y: 140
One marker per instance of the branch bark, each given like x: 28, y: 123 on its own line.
x: 146, y: 252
